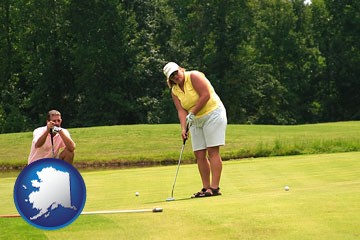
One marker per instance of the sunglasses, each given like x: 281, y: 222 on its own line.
x: 172, y: 76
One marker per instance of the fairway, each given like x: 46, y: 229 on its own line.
x: 322, y: 203
x: 115, y: 146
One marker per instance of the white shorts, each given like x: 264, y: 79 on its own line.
x: 209, y: 130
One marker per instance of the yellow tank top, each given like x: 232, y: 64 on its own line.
x: 189, y: 96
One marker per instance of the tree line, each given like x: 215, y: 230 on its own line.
x: 100, y: 61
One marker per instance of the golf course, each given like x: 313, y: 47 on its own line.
x: 318, y: 162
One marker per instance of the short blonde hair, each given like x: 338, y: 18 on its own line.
x: 52, y: 113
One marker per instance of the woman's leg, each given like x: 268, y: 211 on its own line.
x: 204, y: 167
x: 215, y: 166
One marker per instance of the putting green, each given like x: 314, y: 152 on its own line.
x: 322, y: 203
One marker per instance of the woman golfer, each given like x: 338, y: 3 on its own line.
x: 200, y: 108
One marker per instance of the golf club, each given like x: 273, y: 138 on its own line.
x: 154, y: 210
x: 177, y: 169
x: 9, y: 215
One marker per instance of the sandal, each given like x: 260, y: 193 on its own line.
x: 201, y: 193
x: 212, y: 192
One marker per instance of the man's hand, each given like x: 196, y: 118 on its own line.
x: 50, y: 125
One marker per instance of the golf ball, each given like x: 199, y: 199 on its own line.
x: 137, y: 194
x: 286, y: 188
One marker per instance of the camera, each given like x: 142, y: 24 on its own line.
x: 56, y: 129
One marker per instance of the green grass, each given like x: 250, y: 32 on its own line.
x: 323, y: 202
x: 160, y: 144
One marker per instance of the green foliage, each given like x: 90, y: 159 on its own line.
x: 14, y: 121
x: 343, y: 55
x: 100, y: 62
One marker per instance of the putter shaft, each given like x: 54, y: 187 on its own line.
x: 177, y: 171
x: 123, y: 211
x: 178, y: 166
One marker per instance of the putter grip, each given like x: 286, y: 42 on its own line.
x: 157, y: 210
